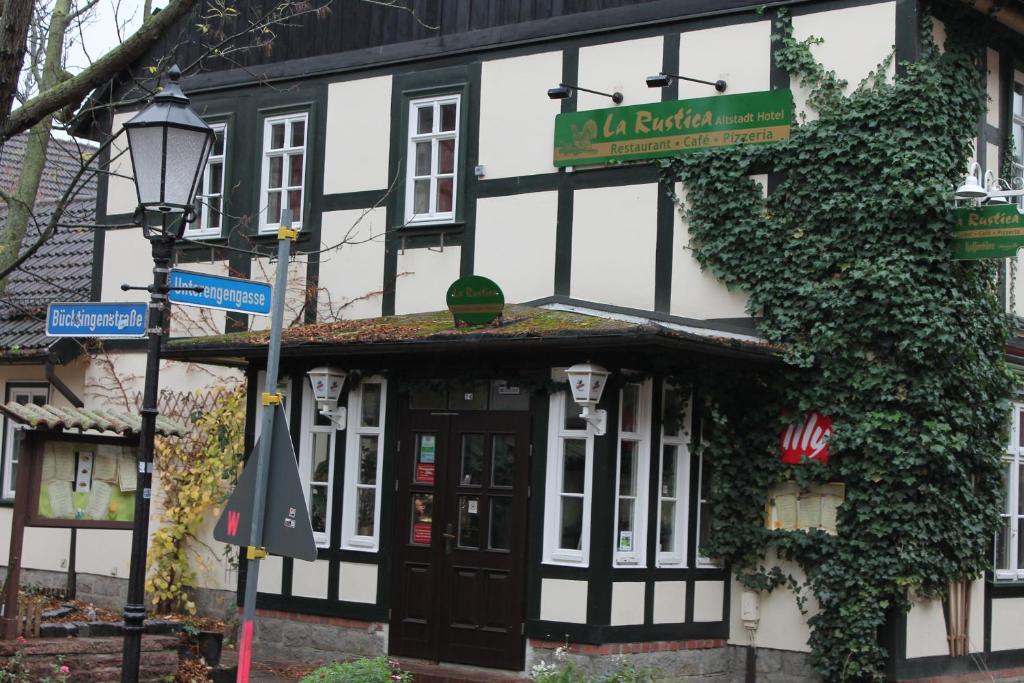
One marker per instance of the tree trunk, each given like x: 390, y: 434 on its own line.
x: 19, y: 209
x: 14, y: 22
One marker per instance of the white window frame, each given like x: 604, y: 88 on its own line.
x: 201, y: 228
x: 11, y: 427
x: 287, y: 151
x: 351, y: 540
x: 557, y: 436
x: 681, y: 442
x: 432, y: 216
x: 637, y: 557
x: 1013, y: 460
x: 309, y: 427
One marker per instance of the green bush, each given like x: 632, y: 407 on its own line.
x: 379, y: 670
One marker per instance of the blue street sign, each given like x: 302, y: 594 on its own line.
x: 96, y: 319
x: 222, y: 293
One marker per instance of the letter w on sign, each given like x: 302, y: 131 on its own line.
x: 233, y: 516
x: 807, y: 440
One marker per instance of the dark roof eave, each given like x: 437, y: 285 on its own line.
x: 60, y: 351
x: 233, y: 354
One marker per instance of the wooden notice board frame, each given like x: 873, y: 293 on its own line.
x: 34, y: 444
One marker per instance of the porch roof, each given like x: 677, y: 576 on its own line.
x: 521, y: 328
x: 66, y: 417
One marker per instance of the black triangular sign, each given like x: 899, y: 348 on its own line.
x: 287, y: 530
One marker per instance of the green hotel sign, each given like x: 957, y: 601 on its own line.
x: 987, y: 232
x: 661, y: 129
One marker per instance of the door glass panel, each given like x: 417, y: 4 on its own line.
x: 368, y: 459
x: 472, y: 460
x: 575, y: 462
x: 668, y: 526
x: 625, y: 542
x: 366, y: 500
x: 422, y: 518
x: 507, y: 396
x: 471, y: 396
x: 630, y: 406
x: 571, y: 523
x: 426, y: 455
x: 469, y: 522
x: 668, y: 472
x: 627, y: 469
x: 318, y: 508
x: 371, y: 405
x: 321, y: 464
x: 503, y: 459
x: 500, y: 535
x: 427, y: 398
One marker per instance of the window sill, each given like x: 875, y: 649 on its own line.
x: 567, y: 562
x: 429, y: 228
x: 354, y: 547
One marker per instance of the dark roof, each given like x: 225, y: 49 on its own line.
x: 61, y: 270
x: 521, y: 327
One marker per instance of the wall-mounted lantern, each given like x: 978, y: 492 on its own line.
x: 327, y: 383
x: 987, y: 188
x: 587, y: 382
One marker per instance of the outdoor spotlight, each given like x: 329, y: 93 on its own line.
x: 663, y: 80
x: 660, y: 81
x: 560, y: 93
x: 564, y: 90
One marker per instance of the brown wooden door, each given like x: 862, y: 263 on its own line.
x: 460, y: 540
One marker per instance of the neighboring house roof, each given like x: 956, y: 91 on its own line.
x: 65, y: 417
x: 61, y: 270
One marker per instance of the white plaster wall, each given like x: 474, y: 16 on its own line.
x: 939, y: 34
x: 192, y: 321
x: 72, y: 374
x: 782, y: 626
x: 621, y: 67
x: 270, y: 575
x: 695, y: 292
x: 669, y: 602
x: 309, y: 579
x: 1007, y: 624
x: 708, y: 600
x: 926, y: 630
x: 856, y: 40
x: 357, y: 582
x: 613, y: 245
x: 739, y: 54
x: 515, y: 244
x: 104, y: 551
x: 121, y: 195
x: 994, y: 92
x: 563, y: 600
x: 517, y: 118
x: 127, y: 258
x: 351, y: 278
x: 424, y: 276
x: 110, y: 374
x: 358, y: 135
x: 627, y: 603
x: 265, y: 270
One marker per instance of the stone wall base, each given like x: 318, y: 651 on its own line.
x: 773, y: 666
x: 112, y: 591
x: 91, y: 659
x: 309, y: 639
x: 672, y: 660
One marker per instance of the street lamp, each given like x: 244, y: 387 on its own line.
x: 169, y: 145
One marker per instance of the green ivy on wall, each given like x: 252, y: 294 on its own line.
x: 848, y: 264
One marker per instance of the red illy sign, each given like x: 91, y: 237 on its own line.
x: 807, y: 440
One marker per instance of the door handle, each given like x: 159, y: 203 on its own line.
x: 449, y: 536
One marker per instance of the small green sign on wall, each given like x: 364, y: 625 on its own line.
x: 475, y: 300
x: 987, y: 232
x: 663, y: 129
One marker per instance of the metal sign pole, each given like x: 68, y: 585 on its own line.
x: 271, y: 401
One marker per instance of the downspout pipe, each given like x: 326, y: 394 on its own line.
x: 64, y: 389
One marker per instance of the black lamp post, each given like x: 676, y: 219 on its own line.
x: 169, y: 145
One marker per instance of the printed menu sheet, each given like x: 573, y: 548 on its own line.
x: 86, y: 482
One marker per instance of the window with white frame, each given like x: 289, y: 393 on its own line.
x: 37, y: 394
x: 1018, y: 128
x: 284, y: 169
x: 1009, y: 551
x: 210, y: 199
x: 433, y: 153
x: 632, y: 474
x: 364, y: 463
x: 673, y: 478
x: 568, y: 489
x: 316, y: 465
x: 704, y: 512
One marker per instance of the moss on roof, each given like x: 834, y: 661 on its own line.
x: 518, y: 321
